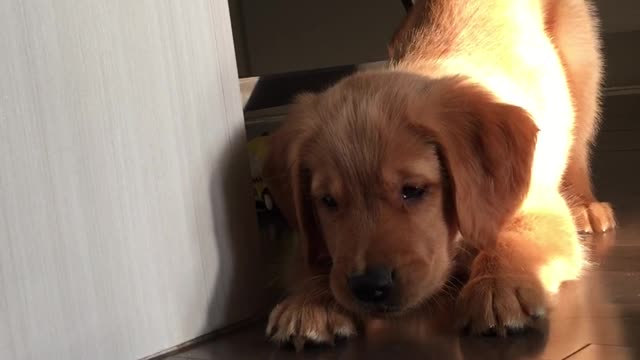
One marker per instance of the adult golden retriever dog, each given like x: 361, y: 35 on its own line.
x: 477, y: 136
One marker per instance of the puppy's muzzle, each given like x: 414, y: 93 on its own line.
x: 373, y: 287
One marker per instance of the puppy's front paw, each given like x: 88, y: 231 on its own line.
x: 301, y: 320
x: 500, y: 304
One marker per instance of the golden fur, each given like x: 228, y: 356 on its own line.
x: 490, y: 106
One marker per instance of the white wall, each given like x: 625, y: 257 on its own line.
x: 126, y: 224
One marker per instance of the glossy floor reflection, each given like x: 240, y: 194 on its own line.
x: 597, y: 317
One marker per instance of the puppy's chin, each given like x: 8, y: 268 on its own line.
x: 384, y: 311
x: 392, y: 310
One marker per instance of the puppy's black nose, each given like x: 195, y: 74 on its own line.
x: 373, y: 286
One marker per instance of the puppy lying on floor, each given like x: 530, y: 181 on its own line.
x: 481, y: 127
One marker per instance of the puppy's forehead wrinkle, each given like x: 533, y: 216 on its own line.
x: 355, y: 148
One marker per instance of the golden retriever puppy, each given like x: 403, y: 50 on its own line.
x: 481, y: 127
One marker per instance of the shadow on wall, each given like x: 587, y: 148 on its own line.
x: 239, y: 291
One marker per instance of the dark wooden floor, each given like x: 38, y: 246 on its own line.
x: 597, y: 317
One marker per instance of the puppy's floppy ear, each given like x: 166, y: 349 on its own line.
x: 488, y: 149
x: 289, y: 180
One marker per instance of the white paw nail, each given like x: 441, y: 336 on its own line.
x: 345, y: 331
x: 313, y: 336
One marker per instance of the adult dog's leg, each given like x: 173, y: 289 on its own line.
x: 572, y: 26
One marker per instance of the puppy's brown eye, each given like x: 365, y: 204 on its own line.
x: 412, y: 192
x: 329, y: 202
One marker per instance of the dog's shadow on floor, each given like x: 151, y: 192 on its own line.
x: 431, y: 335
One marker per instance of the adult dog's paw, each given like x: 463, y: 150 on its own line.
x: 500, y: 304
x: 300, y: 320
x: 597, y: 217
